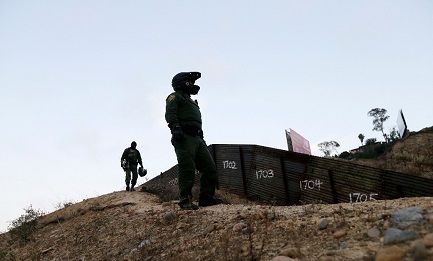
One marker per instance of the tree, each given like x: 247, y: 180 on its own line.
x: 394, y: 135
x: 361, y: 138
x: 379, y: 118
x: 328, y: 146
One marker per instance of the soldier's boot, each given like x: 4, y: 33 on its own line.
x: 127, y: 187
x: 186, y: 204
x: 132, y: 188
x: 205, y: 201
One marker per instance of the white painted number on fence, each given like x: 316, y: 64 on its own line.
x: 360, y: 197
x: 229, y: 164
x: 264, y: 174
x: 310, y: 184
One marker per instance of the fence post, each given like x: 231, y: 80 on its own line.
x: 286, y: 186
x: 332, y: 183
x: 217, y: 185
x: 244, y: 178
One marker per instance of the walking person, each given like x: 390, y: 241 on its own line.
x: 184, y: 120
x: 130, y: 159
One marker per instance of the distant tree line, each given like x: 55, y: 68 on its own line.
x: 371, y: 148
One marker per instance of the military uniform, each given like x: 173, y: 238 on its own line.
x: 130, y: 159
x: 184, y: 119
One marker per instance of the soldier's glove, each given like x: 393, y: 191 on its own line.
x: 177, y: 133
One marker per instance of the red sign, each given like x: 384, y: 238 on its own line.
x: 297, y: 143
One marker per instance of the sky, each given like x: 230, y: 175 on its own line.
x: 80, y: 80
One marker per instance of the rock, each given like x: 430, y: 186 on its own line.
x: 322, y: 224
x: 244, y: 214
x: 360, y: 236
x: 239, y: 227
x: 169, y: 217
x: 245, y: 250
x: 219, y: 227
x: 419, y: 251
x: 387, y: 224
x: 145, y: 242
x: 283, y: 258
x: 406, y: 217
x: 369, y: 257
x: 166, y: 204
x: 265, y: 214
x: 209, y: 229
x: 181, y: 225
x: 429, y: 217
x: 343, y: 245
x: 326, y: 258
x: 394, y: 235
x: 392, y: 253
x: 428, y: 240
x: 340, y: 234
x: 292, y: 252
x: 373, y: 232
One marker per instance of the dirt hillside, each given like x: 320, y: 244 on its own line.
x: 412, y: 155
x: 139, y: 226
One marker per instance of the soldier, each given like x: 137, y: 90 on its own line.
x: 184, y: 120
x: 130, y: 157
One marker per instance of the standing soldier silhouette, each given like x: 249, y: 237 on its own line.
x: 184, y: 120
x: 129, y: 160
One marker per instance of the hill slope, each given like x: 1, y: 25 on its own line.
x: 138, y: 226
x: 412, y: 155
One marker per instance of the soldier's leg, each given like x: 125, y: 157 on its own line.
x: 134, y: 176
x: 207, y: 168
x: 127, y: 178
x: 185, y: 153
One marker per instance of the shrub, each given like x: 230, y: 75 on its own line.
x: 64, y: 204
x: 22, y: 228
x: 345, y: 155
x: 374, y: 150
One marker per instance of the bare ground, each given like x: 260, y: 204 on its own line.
x: 137, y: 226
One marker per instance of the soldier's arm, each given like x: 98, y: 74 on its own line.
x: 123, y: 155
x: 172, y: 109
x: 122, y: 158
x: 139, y: 158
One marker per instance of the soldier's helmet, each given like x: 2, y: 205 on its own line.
x: 142, y: 171
x: 180, y: 83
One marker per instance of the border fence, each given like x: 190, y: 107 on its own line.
x: 281, y: 177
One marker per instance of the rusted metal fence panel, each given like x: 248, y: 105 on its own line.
x: 351, y: 182
x: 231, y: 162
x: 397, y: 185
x: 165, y: 185
x: 295, y: 169
x: 265, y: 181
x: 287, y: 178
x: 315, y: 186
